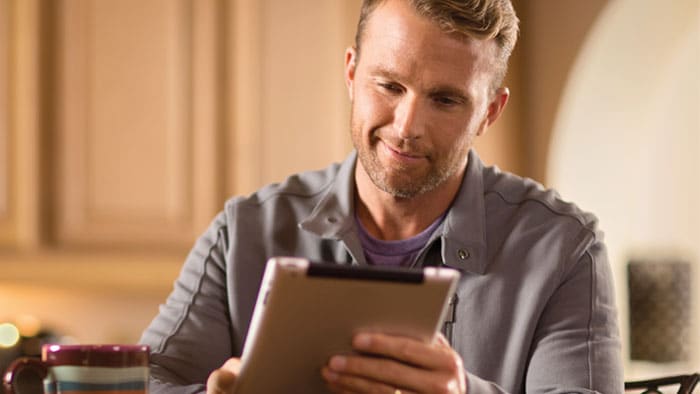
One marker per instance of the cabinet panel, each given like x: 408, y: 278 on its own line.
x: 303, y: 100
x: 129, y: 144
x: 291, y: 111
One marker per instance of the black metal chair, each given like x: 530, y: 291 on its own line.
x: 686, y: 384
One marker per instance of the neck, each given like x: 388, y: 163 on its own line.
x: 387, y: 217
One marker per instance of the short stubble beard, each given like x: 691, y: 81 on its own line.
x: 408, y: 186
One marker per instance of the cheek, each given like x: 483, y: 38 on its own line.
x: 453, y: 141
x: 371, y: 109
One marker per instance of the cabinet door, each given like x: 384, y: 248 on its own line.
x: 137, y: 115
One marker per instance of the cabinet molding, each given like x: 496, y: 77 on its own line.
x: 4, y: 121
x: 19, y: 123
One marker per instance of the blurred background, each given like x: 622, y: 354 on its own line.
x: 125, y: 124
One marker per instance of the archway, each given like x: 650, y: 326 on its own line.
x: 626, y: 141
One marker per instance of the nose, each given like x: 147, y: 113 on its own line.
x: 409, y: 118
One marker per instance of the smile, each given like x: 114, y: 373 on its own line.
x: 402, y: 156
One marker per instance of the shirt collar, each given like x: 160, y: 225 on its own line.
x: 462, y: 232
x: 332, y: 216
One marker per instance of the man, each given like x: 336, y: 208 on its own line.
x: 535, y: 310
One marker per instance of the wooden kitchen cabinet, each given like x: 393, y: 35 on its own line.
x: 127, y: 123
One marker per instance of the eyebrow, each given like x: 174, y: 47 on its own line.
x: 448, y: 91
x: 384, y: 72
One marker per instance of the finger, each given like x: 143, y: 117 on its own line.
x: 376, y: 374
x: 342, y: 390
x: 433, y: 356
x: 345, y: 383
x: 232, y: 365
x: 222, y: 380
x: 442, y: 341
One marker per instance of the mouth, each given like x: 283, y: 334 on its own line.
x: 403, y: 155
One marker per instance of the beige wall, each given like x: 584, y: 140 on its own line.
x: 552, y: 32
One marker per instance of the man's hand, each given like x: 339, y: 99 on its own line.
x: 390, y: 364
x: 221, y: 380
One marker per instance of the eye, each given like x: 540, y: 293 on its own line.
x: 444, y: 101
x: 447, y: 101
x: 390, y: 87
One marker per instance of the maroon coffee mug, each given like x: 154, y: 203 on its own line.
x: 86, y: 369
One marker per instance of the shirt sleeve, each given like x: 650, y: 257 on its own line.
x: 191, y: 335
x: 576, y: 348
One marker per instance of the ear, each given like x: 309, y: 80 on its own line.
x: 495, y: 109
x: 350, y: 65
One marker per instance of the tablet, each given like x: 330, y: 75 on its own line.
x: 307, y: 312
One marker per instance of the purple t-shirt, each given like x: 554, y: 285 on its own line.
x: 402, y: 252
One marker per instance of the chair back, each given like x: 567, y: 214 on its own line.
x: 686, y: 384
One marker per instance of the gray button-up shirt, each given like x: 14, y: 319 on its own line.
x: 535, y: 306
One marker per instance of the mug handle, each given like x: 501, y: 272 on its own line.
x: 18, y: 366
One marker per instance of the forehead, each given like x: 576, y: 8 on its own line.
x: 396, y: 37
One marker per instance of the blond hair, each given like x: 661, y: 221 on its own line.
x: 476, y: 19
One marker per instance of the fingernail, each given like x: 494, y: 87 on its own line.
x: 330, y: 375
x: 362, y: 341
x: 338, y: 363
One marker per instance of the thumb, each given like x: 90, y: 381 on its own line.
x: 441, y: 340
x: 221, y: 381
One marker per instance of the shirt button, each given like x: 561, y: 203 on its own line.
x: 463, y: 254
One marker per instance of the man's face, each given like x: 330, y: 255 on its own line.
x: 419, y: 97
